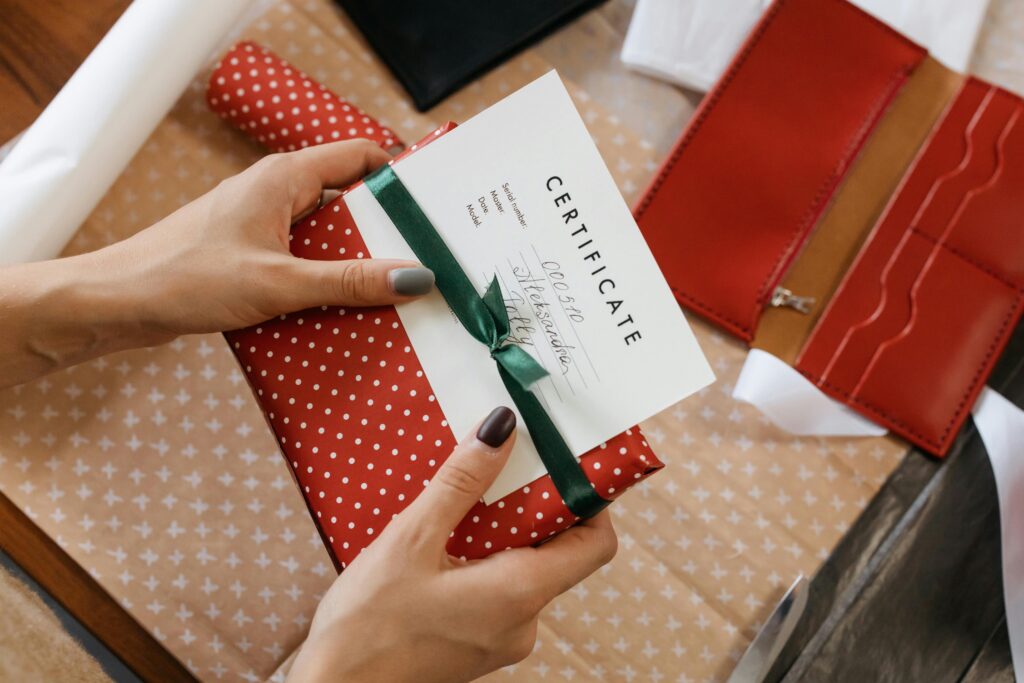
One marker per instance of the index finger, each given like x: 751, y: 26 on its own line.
x: 339, y: 164
x: 462, y: 479
x: 307, y: 172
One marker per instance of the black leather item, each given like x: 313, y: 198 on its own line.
x: 436, y: 47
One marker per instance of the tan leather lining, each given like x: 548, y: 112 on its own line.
x: 856, y: 206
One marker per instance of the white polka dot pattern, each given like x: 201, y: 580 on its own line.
x: 357, y: 420
x: 281, y: 107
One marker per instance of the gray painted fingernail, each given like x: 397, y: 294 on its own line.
x: 497, y: 427
x: 411, y: 281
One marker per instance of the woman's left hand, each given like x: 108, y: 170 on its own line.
x: 219, y: 263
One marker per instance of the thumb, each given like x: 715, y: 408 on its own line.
x: 464, y: 477
x: 361, y: 282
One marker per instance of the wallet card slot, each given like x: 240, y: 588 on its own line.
x: 987, y: 225
x: 966, y: 184
x: 922, y: 381
x: 983, y: 164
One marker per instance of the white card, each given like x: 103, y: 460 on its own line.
x: 521, y: 191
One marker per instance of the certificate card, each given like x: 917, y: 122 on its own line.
x: 520, y: 192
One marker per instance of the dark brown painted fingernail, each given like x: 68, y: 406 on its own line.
x: 497, y: 427
x: 411, y: 281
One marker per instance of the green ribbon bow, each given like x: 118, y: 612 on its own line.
x: 486, y: 319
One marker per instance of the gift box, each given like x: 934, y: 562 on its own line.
x: 354, y: 413
x: 848, y: 204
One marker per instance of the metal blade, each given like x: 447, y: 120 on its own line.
x: 769, y: 641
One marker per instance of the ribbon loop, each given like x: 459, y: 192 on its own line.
x: 486, y: 320
x: 495, y: 303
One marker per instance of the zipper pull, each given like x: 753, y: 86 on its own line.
x: 783, y: 297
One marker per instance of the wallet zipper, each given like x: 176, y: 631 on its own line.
x: 783, y: 297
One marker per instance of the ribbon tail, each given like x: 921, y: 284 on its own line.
x: 565, y: 471
x: 520, y: 365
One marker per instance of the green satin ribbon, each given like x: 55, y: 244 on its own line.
x: 486, y: 319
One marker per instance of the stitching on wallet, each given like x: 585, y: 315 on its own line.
x: 698, y: 123
x: 711, y: 102
x: 958, y: 414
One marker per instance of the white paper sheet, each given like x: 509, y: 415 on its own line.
x: 691, y: 42
x: 948, y: 28
x: 793, y: 403
x: 521, y: 191
x: 688, y: 42
x: 67, y: 160
x: 1001, y: 426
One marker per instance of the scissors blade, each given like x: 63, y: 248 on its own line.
x: 769, y: 641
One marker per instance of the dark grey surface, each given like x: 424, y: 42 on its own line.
x: 110, y: 663
x: 914, y: 591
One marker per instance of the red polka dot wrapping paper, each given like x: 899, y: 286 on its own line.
x: 281, y: 107
x: 355, y: 415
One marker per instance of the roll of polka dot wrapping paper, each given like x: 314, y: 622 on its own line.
x: 281, y: 107
x: 355, y: 416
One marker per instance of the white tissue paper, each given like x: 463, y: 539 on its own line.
x: 793, y: 403
x: 948, y: 28
x: 688, y: 42
x: 1001, y: 426
x: 67, y: 160
x: 691, y: 42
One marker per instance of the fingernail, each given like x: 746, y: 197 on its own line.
x: 411, y: 281
x: 395, y: 150
x: 497, y: 427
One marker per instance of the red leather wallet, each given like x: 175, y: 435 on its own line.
x: 836, y: 169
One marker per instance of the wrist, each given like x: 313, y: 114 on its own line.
x: 58, y: 313
x: 355, y: 653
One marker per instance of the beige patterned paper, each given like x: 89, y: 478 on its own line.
x: 154, y: 468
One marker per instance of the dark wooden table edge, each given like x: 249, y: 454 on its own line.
x: 873, y: 540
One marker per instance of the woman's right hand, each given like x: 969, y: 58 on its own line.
x: 405, y: 610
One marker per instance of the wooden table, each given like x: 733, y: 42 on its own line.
x: 41, y: 45
x: 914, y: 590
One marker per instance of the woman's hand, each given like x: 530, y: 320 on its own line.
x: 218, y: 263
x: 405, y: 610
